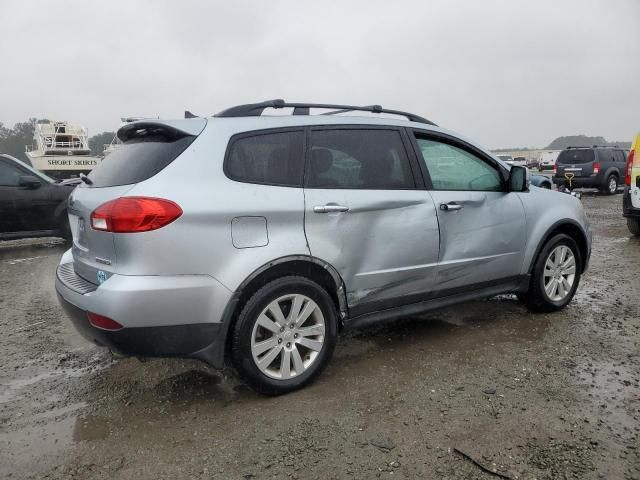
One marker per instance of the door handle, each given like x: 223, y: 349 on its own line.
x: 330, y: 208
x: 446, y: 207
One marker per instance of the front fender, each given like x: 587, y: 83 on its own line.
x: 547, y: 211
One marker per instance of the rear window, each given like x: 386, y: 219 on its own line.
x: 139, y: 158
x: 268, y: 158
x: 583, y: 155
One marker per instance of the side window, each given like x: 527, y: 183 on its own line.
x: 619, y: 156
x: 452, y: 168
x: 271, y: 158
x: 9, y: 175
x: 358, y: 159
x: 605, y: 155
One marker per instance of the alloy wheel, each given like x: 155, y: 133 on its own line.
x: 288, y: 336
x: 559, y: 273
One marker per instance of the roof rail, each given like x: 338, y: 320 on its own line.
x: 593, y: 146
x: 256, y: 109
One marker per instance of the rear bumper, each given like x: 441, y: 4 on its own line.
x: 163, y: 316
x: 579, y: 182
x: 628, y: 210
x: 167, y: 341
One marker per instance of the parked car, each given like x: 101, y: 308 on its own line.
x: 631, y: 197
x: 505, y: 158
x: 533, y: 162
x: 519, y: 161
x: 541, y: 181
x: 548, y: 160
x: 296, y: 227
x: 600, y: 167
x: 31, y: 203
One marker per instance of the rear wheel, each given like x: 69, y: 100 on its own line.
x: 633, y: 224
x: 611, y: 185
x: 556, y: 275
x: 285, y: 335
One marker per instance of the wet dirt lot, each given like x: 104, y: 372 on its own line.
x: 527, y: 396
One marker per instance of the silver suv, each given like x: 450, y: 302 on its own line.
x: 256, y: 239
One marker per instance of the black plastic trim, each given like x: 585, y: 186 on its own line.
x: 628, y: 210
x: 443, y: 299
x: 162, y: 341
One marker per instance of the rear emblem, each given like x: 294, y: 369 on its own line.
x: 102, y: 277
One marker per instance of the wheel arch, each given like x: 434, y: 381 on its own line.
x: 568, y: 227
x: 314, y: 268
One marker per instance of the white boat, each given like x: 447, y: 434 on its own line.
x: 61, y: 150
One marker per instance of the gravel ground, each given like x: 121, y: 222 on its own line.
x: 526, y: 396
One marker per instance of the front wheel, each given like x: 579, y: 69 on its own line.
x: 556, y: 275
x: 633, y: 224
x: 285, y: 335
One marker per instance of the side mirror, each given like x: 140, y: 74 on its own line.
x: 519, y: 179
x: 29, y: 181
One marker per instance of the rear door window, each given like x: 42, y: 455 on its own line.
x: 140, y: 157
x: 605, y: 155
x: 576, y: 156
x: 267, y: 158
x: 358, y: 159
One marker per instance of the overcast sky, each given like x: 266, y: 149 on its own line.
x: 504, y: 73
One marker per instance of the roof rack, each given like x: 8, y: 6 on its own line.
x: 256, y: 109
x: 593, y: 146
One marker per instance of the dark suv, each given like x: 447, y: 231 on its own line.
x: 600, y: 167
x: 31, y: 204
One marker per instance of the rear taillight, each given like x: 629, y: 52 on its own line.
x: 102, y: 322
x: 627, y: 178
x: 134, y: 214
x: 596, y: 168
x: 555, y: 168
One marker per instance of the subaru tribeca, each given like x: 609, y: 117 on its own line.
x: 255, y: 239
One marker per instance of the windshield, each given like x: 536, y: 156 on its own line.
x: 37, y: 173
x: 583, y: 155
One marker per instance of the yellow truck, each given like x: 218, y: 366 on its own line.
x: 631, y: 197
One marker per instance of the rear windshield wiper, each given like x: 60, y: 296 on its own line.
x: 86, y: 179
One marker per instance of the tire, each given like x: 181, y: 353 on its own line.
x: 537, y: 298
x: 546, y: 185
x: 633, y: 224
x: 611, y: 186
x: 283, y: 339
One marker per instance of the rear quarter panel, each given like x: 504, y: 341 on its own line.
x: 200, y: 241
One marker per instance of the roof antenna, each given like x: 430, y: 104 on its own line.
x: 188, y: 114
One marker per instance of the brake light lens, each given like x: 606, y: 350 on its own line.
x: 627, y: 178
x: 134, y: 214
x: 102, y: 322
x: 555, y: 168
x: 596, y: 168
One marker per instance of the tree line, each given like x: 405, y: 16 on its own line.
x: 14, y: 140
